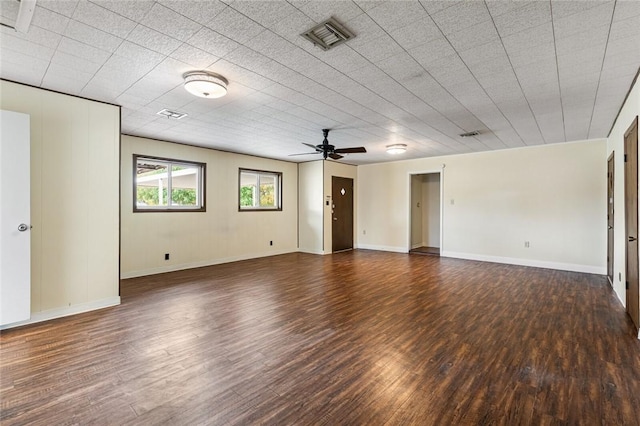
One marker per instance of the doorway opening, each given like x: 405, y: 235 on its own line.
x: 425, y: 210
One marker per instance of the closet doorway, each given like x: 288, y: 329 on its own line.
x: 425, y: 234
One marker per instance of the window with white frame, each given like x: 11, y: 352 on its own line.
x: 260, y: 190
x: 163, y: 184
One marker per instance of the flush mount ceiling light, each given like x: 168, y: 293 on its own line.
x: 205, y: 84
x: 397, y: 148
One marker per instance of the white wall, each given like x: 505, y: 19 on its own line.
x: 553, y: 196
x: 334, y: 168
x: 615, y: 143
x: 431, y: 210
x: 310, y: 196
x: 74, y: 200
x: 222, y: 233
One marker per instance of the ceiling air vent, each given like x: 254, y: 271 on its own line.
x: 172, y: 114
x: 328, y: 34
x: 469, y: 134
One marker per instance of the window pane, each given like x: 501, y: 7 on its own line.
x: 184, y: 185
x: 248, y: 185
x: 267, y: 191
x: 151, y: 183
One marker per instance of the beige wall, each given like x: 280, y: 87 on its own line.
x: 74, y: 200
x: 222, y: 233
x: 615, y: 144
x: 310, y: 196
x: 553, y: 196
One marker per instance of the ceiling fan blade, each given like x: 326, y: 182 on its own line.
x: 312, y: 146
x: 354, y: 150
x: 335, y: 156
x: 304, y: 153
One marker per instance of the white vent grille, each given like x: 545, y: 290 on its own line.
x: 328, y: 34
x: 172, y: 114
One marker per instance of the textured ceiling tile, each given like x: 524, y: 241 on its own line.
x: 153, y: 40
x: 9, y: 43
x: 271, y: 44
x: 193, y: 56
x: 62, y: 83
x: 75, y: 62
x: 103, y: 19
x: 319, y: 11
x: 625, y: 10
x: 365, y: 30
x: 171, y: 23
x: 584, y: 40
x: 474, y: 36
x: 540, y: 53
x: 91, y: 36
x: 135, y: 10
x: 201, y: 12
x: 401, y: 67
x: 416, y: 34
x: 531, y: 15
x: 65, y: 8
x: 576, y: 23
x: 35, y: 35
x: 527, y: 39
x: 212, y: 42
x: 565, y: 9
x: 22, y: 68
x: 499, y: 7
x: 49, y: 20
x: 461, y: 16
x: 486, y: 52
x: 84, y: 51
x: 394, y: 15
x: 625, y: 28
x: 432, y: 52
x: 266, y: 13
x: 235, y: 25
x: 378, y: 49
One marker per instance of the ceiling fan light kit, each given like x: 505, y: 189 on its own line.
x: 396, y: 149
x: 205, y: 84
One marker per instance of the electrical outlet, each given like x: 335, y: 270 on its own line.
x: 526, y: 244
x: 166, y: 256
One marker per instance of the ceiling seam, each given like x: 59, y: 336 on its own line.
x: 533, y: 115
x: 604, y: 56
x: 555, y: 51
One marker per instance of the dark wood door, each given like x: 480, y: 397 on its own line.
x: 341, y: 213
x: 631, y: 216
x: 610, y: 186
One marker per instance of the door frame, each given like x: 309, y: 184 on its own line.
x: 611, y: 209
x: 634, y: 192
x: 408, y: 193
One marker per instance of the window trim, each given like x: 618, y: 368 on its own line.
x: 170, y: 209
x: 279, y: 197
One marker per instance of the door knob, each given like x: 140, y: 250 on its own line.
x: 23, y: 227
x: 335, y: 218
x: 632, y: 239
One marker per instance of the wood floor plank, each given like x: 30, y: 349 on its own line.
x: 360, y: 337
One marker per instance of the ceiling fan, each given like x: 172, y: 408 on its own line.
x: 328, y: 150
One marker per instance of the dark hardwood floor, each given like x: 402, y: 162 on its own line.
x: 433, y: 251
x: 360, y: 337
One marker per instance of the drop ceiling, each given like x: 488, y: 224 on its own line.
x: 521, y: 73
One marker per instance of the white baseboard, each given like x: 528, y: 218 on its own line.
x: 589, y: 269
x: 415, y: 246
x: 190, y: 265
x: 383, y: 248
x: 320, y: 252
x: 66, y: 311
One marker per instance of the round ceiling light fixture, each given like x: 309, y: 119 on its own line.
x: 205, y: 84
x: 397, y: 148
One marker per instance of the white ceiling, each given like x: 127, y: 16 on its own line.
x: 418, y: 73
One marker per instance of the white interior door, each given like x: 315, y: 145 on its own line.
x: 15, y: 235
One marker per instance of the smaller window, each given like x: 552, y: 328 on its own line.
x: 260, y: 190
x: 162, y: 184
